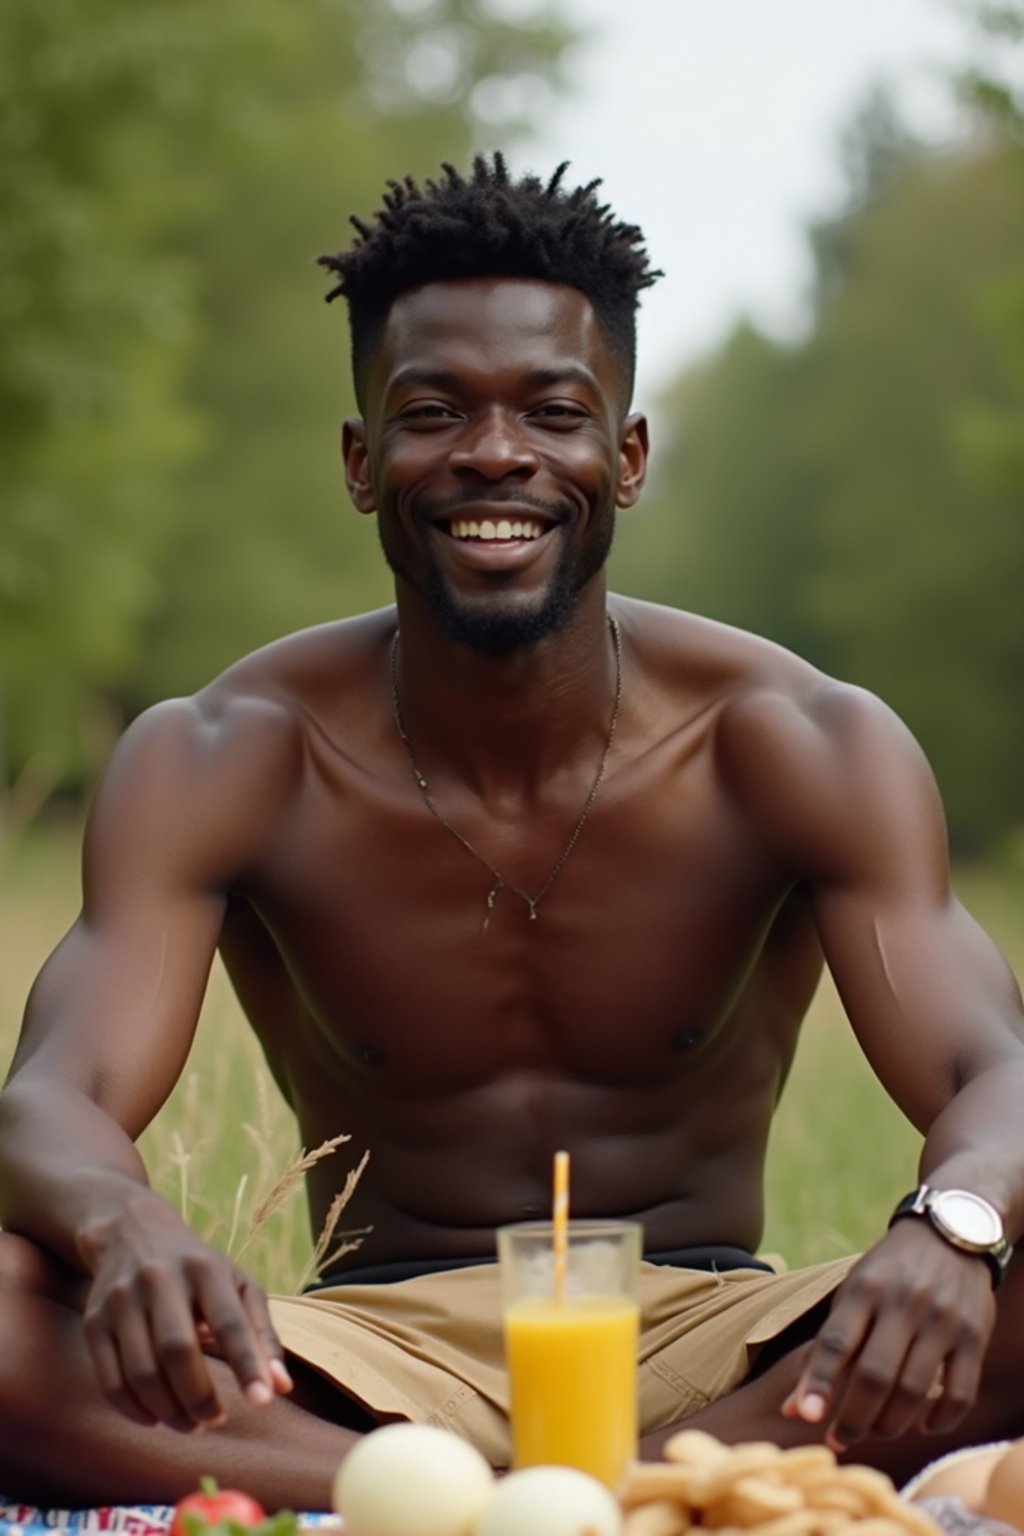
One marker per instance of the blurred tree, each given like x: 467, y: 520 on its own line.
x: 916, y: 589
x: 994, y: 81
x: 991, y: 432
x: 875, y: 149
x: 100, y: 110
x: 842, y: 495
x: 170, y: 386
x: 727, y: 525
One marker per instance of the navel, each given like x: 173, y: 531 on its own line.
x: 533, y: 1210
x: 369, y: 1053
x: 685, y: 1040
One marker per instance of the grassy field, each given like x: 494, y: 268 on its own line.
x: 840, y: 1157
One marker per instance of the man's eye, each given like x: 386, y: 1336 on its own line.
x: 560, y: 412
x: 429, y: 411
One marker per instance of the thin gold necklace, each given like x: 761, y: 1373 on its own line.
x: 500, y: 883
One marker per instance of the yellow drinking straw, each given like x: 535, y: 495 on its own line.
x: 560, y: 1222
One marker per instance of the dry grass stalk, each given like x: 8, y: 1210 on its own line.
x: 323, y: 1256
x: 264, y: 1115
x: 286, y: 1185
x: 236, y: 1212
x: 180, y: 1158
x: 261, y: 1135
x: 264, y: 1152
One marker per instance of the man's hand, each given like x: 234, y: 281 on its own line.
x: 160, y: 1303
x: 904, y: 1343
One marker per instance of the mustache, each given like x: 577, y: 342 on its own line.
x: 496, y: 496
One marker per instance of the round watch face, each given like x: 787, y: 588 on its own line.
x: 967, y: 1217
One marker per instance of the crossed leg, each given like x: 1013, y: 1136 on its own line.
x: 752, y: 1411
x: 61, y: 1442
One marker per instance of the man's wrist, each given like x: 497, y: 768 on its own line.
x: 140, y: 1210
x: 965, y: 1220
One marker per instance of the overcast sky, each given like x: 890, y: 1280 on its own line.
x: 714, y: 124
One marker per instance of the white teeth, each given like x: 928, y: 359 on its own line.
x: 501, y: 531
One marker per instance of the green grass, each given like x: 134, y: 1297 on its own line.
x: 840, y: 1157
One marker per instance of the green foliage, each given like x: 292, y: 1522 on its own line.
x: 724, y: 528
x: 95, y: 326
x: 918, y: 587
x: 995, y: 89
x: 170, y: 384
x: 858, y: 496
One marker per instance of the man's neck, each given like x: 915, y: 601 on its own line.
x: 505, y: 724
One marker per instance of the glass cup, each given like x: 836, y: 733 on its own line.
x: 572, y: 1361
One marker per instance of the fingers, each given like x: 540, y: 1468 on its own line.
x: 960, y: 1384
x: 126, y: 1365
x: 896, y: 1353
x: 259, y: 1316
x: 887, y: 1389
x: 151, y: 1341
x: 181, y: 1362
x: 832, y: 1357
x: 235, y: 1310
x: 106, y: 1359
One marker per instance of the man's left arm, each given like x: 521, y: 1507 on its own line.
x: 938, y: 1015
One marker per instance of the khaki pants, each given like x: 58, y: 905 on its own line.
x: 430, y: 1349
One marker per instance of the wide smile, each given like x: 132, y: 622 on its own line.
x: 502, y: 529
x: 495, y: 538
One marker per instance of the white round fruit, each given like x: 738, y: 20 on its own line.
x: 411, y: 1480
x: 550, y: 1501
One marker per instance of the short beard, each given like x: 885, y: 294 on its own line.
x: 494, y: 628
x: 497, y: 630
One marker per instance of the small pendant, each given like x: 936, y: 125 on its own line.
x: 533, y: 909
x: 492, y: 896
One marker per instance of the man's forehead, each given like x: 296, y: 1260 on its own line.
x: 514, y: 317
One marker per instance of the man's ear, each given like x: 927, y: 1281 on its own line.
x: 633, y: 448
x: 356, y: 457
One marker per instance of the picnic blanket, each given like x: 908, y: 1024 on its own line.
x: 130, y: 1519
x: 154, y: 1519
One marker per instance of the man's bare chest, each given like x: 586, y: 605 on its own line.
x: 638, y: 948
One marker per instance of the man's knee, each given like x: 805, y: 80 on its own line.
x: 26, y: 1269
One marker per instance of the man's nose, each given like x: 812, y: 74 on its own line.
x: 494, y: 445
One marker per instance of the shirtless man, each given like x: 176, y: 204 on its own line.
x: 511, y: 866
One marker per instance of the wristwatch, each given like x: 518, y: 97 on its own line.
x: 963, y: 1219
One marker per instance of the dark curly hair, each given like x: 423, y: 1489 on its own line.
x: 492, y: 226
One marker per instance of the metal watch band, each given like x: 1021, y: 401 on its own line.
x: 921, y: 1202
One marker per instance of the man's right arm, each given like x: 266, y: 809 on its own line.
x: 108, y: 1027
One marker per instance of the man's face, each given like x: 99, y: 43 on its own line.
x: 494, y: 452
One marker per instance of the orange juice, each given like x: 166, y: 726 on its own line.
x: 573, y: 1378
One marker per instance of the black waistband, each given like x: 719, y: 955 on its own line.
x: 712, y: 1257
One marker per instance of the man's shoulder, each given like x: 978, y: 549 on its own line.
x: 242, y: 735
x: 740, y: 672
x: 806, y: 754
x: 292, y: 675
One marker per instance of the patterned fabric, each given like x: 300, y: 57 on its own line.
x: 134, y: 1519
x: 950, y: 1516
x: 131, y: 1519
